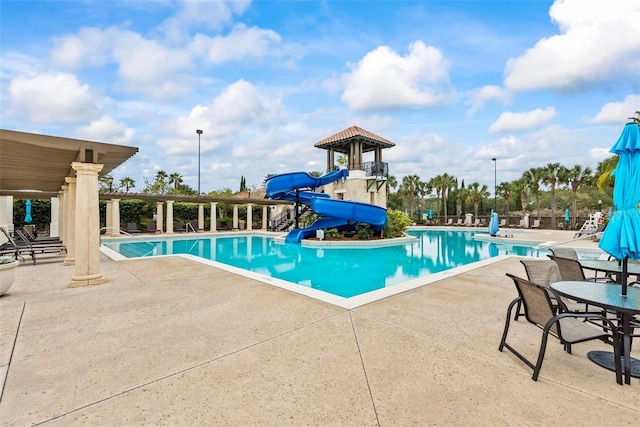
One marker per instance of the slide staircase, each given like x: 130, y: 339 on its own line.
x: 334, y: 213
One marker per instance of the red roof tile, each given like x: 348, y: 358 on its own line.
x: 354, y: 132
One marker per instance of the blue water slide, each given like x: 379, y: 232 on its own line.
x: 334, y: 213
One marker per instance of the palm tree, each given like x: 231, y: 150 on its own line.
x: 476, y: 194
x: 175, y: 179
x: 423, y: 190
x: 604, y: 182
x: 532, y: 179
x: 636, y: 118
x: 504, y: 191
x: 447, y: 182
x: 436, y: 183
x: 410, y: 188
x: 553, y: 174
x: 520, y: 187
x: 127, y: 183
x: 392, y: 182
x: 576, y: 177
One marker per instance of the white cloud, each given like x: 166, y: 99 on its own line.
x: 209, y: 14
x: 241, y: 43
x: 599, y: 41
x: 509, y: 122
x: 89, y: 47
x: 106, y: 129
x: 478, y: 97
x: 147, y: 66
x: 384, y: 79
x: 618, y: 112
x: 52, y: 98
x: 240, y: 107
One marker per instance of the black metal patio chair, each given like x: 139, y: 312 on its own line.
x: 568, y: 327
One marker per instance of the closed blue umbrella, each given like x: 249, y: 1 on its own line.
x: 621, y: 238
x: 566, y: 215
x: 493, y: 224
x: 430, y: 214
x: 27, y: 217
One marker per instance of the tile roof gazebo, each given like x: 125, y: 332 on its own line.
x: 353, y: 142
x: 366, y: 179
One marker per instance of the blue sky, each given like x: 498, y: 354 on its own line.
x: 452, y: 83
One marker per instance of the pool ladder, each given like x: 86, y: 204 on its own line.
x: 153, y: 246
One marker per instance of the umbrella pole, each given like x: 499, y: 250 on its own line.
x: 624, y: 276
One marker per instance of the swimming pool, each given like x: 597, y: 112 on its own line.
x: 345, y: 272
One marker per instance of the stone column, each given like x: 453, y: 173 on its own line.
x: 87, y: 219
x: 214, y: 216
x: 200, y: 217
x: 64, y: 200
x: 115, y: 217
x: 169, y: 216
x: 6, y: 215
x: 235, y: 217
x: 250, y: 217
x: 160, y: 216
x: 265, y: 210
x: 70, y: 243
x: 109, y: 217
x: 55, y: 217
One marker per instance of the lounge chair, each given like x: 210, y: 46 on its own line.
x: 503, y: 223
x: 179, y: 227
x: 28, y: 233
x: 151, y: 227
x: 132, y: 227
x: 22, y: 245
x: 459, y: 222
x: 536, y: 223
x: 449, y: 221
x: 569, y: 328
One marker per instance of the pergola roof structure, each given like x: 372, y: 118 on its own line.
x: 341, y: 141
x: 32, y: 162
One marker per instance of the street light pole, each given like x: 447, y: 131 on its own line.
x: 199, y: 132
x: 495, y: 184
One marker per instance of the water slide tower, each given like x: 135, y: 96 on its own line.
x: 367, y: 180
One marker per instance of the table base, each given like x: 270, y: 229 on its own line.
x: 605, y: 359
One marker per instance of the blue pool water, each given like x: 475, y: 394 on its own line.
x: 345, y: 272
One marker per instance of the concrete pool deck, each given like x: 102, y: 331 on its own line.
x: 174, y: 342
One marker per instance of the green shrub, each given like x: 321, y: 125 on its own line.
x: 363, y: 231
x: 331, y: 232
x: 397, y: 224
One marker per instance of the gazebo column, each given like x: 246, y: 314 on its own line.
x: 235, y: 217
x: 214, y: 215
x: 264, y: 217
x: 200, y: 217
x: 64, y: 201
x: 160, y: 216
x: 55, y: 217
x: 87, y: 225
x: 115, y: 217
x: 109, y: 217
x: 6, y: 214
x: 169, y: 216
x: 250, y: 216
x: 70, y: 243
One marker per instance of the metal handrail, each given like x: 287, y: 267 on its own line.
x: 190, y: 226
x: 124, y: 232
x: 553, y: 245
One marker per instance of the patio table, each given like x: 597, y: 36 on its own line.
x: 610, y: 267
x: 608, y: 296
